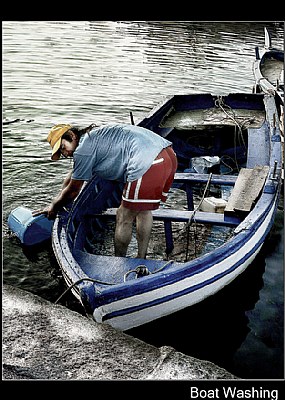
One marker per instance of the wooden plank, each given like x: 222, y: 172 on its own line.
x: 166, y: 214
x: 247, y: 188
x: 201, y: 217
x: 192, y: 177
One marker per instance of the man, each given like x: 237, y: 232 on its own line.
x: 143, y: 160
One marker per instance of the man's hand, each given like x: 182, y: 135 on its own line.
x: 51, y: 213
x: 69, y: 193
x: 48, y: 211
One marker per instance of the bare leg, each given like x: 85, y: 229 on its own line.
x: 123, y: 233
x: 143, y: 225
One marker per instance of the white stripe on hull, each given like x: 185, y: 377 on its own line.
x: 137, y: 318
x: 140, y: 317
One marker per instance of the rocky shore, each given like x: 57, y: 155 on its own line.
x: 43, y: 341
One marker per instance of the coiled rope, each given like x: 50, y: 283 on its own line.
x: 142, y: 270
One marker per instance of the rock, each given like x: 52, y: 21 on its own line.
x: 43, y: 341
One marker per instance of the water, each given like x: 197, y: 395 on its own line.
x: 81, y: 72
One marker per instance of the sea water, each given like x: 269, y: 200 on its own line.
x: 83, y: 72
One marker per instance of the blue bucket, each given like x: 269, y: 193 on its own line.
x: 30, y: 230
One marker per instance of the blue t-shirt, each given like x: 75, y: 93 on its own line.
x: 118, y: 152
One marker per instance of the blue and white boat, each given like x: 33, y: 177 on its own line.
x: 220, y: 209
x: 268, y: 68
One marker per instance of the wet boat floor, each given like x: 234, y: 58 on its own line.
x: 190, y: 241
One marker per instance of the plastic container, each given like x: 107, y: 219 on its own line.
x: 30, y: 230
x: 211, y: 204
x: 202, y: 164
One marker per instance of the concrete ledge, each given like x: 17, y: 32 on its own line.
x: 43, y: 341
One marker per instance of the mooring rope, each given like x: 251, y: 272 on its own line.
x: 141, y: 270
x: 79, y: 281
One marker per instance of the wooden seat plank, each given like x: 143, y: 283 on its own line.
x: 165, y: 214
x: 191, y: 177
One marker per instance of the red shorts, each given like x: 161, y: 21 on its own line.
x: 146, y: 192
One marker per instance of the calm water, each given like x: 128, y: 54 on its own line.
x: 80, y: 72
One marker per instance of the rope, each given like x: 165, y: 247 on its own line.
x: 142, y: 270
x: 192, y: 218
x: 79, y: 281
x: 220, y: 103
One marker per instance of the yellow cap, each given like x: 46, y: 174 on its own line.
x: 54, y: 138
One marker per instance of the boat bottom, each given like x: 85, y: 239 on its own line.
x: 189, y: 240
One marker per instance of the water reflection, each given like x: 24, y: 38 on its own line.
x: 98, y: 71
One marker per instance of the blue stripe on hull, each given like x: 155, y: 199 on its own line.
x: 182, y: 292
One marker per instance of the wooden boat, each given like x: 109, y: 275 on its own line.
x: 268, y: 68
x: 226, y: 186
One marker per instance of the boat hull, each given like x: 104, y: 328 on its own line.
x: 97, y: 280
x: 268, y: 69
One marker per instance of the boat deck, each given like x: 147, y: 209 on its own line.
x: 195, y: 119
x: 111, y: 270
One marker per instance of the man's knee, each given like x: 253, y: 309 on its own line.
x: 125, y: 215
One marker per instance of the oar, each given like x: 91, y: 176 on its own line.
x: 267, y: 39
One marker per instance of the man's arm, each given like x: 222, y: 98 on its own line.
x: 69, y: 193
x: 67, y: 180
